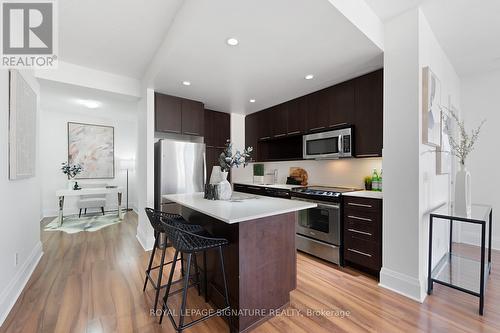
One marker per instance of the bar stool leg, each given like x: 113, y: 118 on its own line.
x: 160, y: 274
x: 182, y: 264
x: 184, y: 293
x: 169, y: 283
x: 226, y: 294
x: 205, y: 279
x: 197, y: 273
x: 148, y: 271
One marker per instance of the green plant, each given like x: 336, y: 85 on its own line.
x: 71, y: 170
x: 258, y: 169
x: 368, y: 182
x: 227, y: 160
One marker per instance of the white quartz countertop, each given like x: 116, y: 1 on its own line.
x: 281, y: 186
x: 242, y: 207
x: 365, y: 194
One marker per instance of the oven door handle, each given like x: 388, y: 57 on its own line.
x: 320, y: 205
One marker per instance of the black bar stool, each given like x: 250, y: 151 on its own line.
x: 155, y: 218
x: 185, y: 242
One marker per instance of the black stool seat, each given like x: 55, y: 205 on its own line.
x: 185, y: 242
x: 155, y: 217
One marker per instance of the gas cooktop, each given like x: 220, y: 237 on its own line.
x: 323, y: 192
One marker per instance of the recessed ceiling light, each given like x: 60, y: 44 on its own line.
x: 186, y: 83
x: 89, y: 103
x: 309, y: 77
x: 232, y: 41
x: 252, y: 100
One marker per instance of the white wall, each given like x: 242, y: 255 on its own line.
x: 411, y: 186
x: 145, y: 167
x: 54, y: 149
x: 400, y: 227
x: 481, y: 100
x: 434, y: 189
x: 20, y: 207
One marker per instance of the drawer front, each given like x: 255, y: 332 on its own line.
x: 361, y: 214
x: 362, y: 252
x: 363, y: 204
x: 366, y: 230
x: 249, y: 189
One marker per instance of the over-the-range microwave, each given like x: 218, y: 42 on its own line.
x: 328, y: 145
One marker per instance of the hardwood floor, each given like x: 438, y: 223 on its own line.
x: 92, y: 282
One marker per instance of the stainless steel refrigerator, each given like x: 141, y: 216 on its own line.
x: 180, y: 167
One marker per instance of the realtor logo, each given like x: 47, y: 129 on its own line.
x: 28, y: 34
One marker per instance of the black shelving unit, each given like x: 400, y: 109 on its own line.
x: 455, y: 271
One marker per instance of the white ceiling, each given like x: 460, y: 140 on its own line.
x: 56, y: 96
x: 468, y: 31
x: 116, y: 36
x: 280, y: 42
x: 387, y: 9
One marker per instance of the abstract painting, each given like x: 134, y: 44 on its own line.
x: 431, y: 108
x: 22, y: 127
x: 92, y: 146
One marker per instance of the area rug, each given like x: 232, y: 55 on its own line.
x: 72, y: 224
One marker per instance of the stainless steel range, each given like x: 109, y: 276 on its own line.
x: 319, y: 229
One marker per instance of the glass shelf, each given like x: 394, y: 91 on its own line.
x: 460, y: 272
x: 479, y: 213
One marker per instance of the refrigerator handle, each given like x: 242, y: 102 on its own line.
x: 204, y: 169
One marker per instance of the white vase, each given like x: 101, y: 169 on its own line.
x: 462, y: 192
x: 216, y: 177
x: 225, y: 189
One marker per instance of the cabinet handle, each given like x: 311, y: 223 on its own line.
x: 359, y: 205
x: 359, y: 218
x: 265, y: 138
x: 360, y: 232
x: 359, y: 252
x: 368, y: 155
x: 191, y: 133
x: 294, y: 132
x: 279, y: 135
x: 339, y: 124
x: 317, y: 128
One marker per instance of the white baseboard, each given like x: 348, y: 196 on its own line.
x: 402, y: 284
x: 11, y: 292
x: 146, y: 242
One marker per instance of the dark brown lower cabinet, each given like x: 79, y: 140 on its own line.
x: 363, y: 233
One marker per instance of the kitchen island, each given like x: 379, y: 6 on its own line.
x: 260, y: 260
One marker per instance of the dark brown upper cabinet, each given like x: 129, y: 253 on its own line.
x: 252, y: 134
x: 193, y: 115
x: 217, y: 132
x: 369, y: 112
x: 168, y: 113
x: 265, y: 124
x: 217, y: 128
x: 296, y: 116
x: 318, y: 109
x: 279, y: 120
x: 178, y: 115
x: 342, y: 98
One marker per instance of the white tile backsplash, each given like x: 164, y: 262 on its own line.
x: 343, y: 172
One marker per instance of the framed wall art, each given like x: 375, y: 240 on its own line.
x: 431, y: 108
x: 22, y: 127
x: 93, y: 147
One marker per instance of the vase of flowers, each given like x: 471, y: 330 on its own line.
x: 461, y: 147
x: 71, y: 171
x: 228, y: 160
